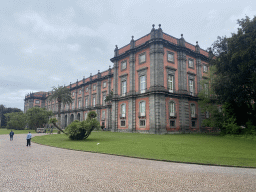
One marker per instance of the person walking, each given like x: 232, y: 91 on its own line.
x: 11, y: 135
x: 29, y: 136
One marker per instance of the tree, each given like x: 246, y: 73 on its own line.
x: 235, y: 76
x: 37, y: 117
x: 16, y: 120
x: 62, y: 95
x: 4, y: 110
x: 81, y: 130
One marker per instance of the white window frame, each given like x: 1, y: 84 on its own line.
x: 170, y: 83
x: 103, y: 114
x: 191, y: 87
x: 104, y: 84
x: 79, y: 103
x: 205, y: 68
x: 124, y: 88
x: 191, y: 63
x: 94, y: 101
x: 86, y: 102
x: 172, y: 57
x: 193, y: 110
x: 37, y: 102
x: 123, y: 110
x: 172, y: 109
x: 142, y: 84
x: 142, y: 106
x: 85, y: 116
x: 123, y: 65
x: 206, y: 89
x: 103, y: 99
x: 142, y: 58
x: 143, y: 120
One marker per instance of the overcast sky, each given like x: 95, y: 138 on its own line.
x: 50, y: 43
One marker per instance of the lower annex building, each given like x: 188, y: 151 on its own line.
x: 155, y: 82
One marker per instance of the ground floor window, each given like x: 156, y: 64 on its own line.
x: 142, y: 122
x: 172, y: 123
x: 193, y: 123
x: 123, y: 123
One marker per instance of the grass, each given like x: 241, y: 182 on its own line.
x: 193, y: 148
x: 7, y: 131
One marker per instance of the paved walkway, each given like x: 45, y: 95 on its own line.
x: 43, y: 168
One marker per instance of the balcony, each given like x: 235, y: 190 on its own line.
x: 173, y: 115
x: 142, y: 115
x: 122, y: 116
x: 193, y: 116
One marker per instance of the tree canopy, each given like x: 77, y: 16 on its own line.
x: 234, y: 79
x: 5, y: 110
x: 16, y: 120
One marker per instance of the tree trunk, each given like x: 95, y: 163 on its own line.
x: 58, y: 128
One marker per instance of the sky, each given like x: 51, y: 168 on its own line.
x: 49, y: 43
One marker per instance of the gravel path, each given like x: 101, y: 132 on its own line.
x: 43, y: 168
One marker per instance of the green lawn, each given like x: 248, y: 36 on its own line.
x: 194, y: 148
x: 7, y: 131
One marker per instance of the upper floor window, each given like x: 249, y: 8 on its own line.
x: 143, y: 108
x: 86, y: 89
x: 104, y: 84
x: 191, y: 87
x: 190, y: 63
x: 123, y: 88
x: 205, y: 67
x: 79, y: 104
x: 206, y: 89
x: 142, y: 58
x: 94, y: 101
x: 170, y: 83
x: 103, y: 99
x: 94, y: 87
x: 170, y: 57
x: 73, y: 93
x: 193, y: 110
x: 37, y: 102
x: 73, y: 105
x: 123, y: 110
x: 123, y: 65
x: 86, y: 102
x: 80, y: 91
x: 172, y: 109
x: 85, y: 116
x: 142, y: 84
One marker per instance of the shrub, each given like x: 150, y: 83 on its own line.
x: 230, y: 127
x: 81, y: 130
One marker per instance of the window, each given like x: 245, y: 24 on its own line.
x: 170, y: 83
x: 207, y: 115
x: 86, y: 102
x: 123, y: 65
x: 123, y: 88
x: 103, y: 115
x: 220, y: 109
x: 122, y: 123
x: 172, y: 123
x: 191, y: 87
x: 103, y: 99
x: 206, y: 89
x: 170, y: 57
x: 142, y: 58
x: 73, y: 105
x: 94, y: 101
x: 143, y: 109
x: 193, y: 110
x: 37, y: 102
x: 142, y: 122
x: 172, y: 109
x: 86, y: 89
x: 205, y: 69
x: 73, y: 94
x: 190, y: 63
x: 85, y: 116
x: 104, y: 84
x: 79, y: 104
x: 193, y: 123
x: 123, y: 110
x: 80, y: 91
x: 94, y: 87
x: 142, y: 84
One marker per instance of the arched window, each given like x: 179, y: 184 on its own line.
x: 172, y: 109
x: 142, y: 108
x: 123, y: 110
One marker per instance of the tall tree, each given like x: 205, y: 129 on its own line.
x: 63, y: 96
x: 4, y: 110
x: 37, y: 117
x: 235, y: 76
x: 16, y: 120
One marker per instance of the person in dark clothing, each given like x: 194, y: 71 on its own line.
x: 29, y: 136
x: 11, y: 135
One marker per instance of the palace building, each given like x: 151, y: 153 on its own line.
x: 155, y: 81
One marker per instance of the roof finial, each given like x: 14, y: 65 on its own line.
x: 153, y: 25
x: 181, y: 35
x: 159, y: 25
x: 132, y: 37
x: 196, y: 42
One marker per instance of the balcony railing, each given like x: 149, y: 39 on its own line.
x: 173, y: 115
x: 142, y: 115
x: 122, y: 116
x: 193, y: 116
